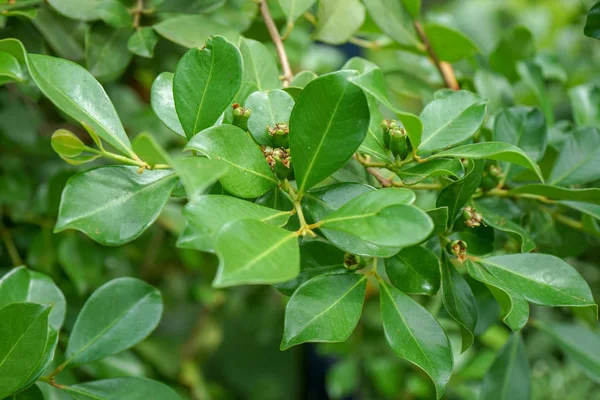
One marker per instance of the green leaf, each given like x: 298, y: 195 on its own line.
x: 324, y: 309
x: 248, y: 174
x: 32, y: 393
x: 337, y: 21
x: 592, y: 24
x: 198, y: 174
x: 577, y: 342
x: 493, y: 151
x: 457, y: 194
x: 57, y: 31
x: 81, y: 260
x: 294, y: 9
x: 394, y: 20
x: 343, y: 378
x: 592, y: 210
x: 439, y: 216
x: 508, y: 378
x: 260, y: 67
x: 22, y: 285
x: 532, y: 77
x: 114, y: 205
x: 142, y: 42
x: 449, y: 44
x: 416, y: 336
x: 23, y: 336
x: 75, y: 91
x: 591, y: 195
x: 585, y: 103
x: 84, y: 10
x: 459, y: 301
x: 252, y: 252
x: 268, y: 108
x: 163, y: 103
x: 504, y: 224
x: 382, y: 217
x: 129, y: 388
x: 106, y: 52
x: 303, y: 78
x: 327, y: 125
x: 413, y: 7
x: 114, y: 13
x: 193, y: 31
x: 46, y: 359
x: 523, y: 127
x: 414, y: 270
x: 451, y: 120
x: 496, y: 88
x: 516, y: 45
x: 208, y: 214
x: 10, y: 69
x: 414, y: 174
x: 205, y: 82
x: 117, y: 316
x: 579, y: 160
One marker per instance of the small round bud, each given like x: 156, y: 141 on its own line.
x: 237, y: 112
x: 459, y: 249
x: 247, y: 113
x: 353, y: 261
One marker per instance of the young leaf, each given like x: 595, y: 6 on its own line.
x: 416, y: 336
x: 294, y: 9
x: 592, y: 24
x: 193, y: 30
x: 450, y: 120
x: 101, y: 40
x: 500, y: 222
x: 22, y: 285
x: 198, y: 174
x: 163, y: 103
x: 248, y: 174
x: 449, y: 44
x: 394, y: 20
x: 493, y: 151
x: 23, y: 337
x: 337, y: 21
x: 515, y: 46
x: 324, y: 309
x: 142, y: 42
x: 260, y: 68
x: 252, y: 252
x: 579, y: 160
x: 75, y: 91
x: 459, y: 301
x: 590, y: 195
x: 205, y: 82
x: 414, y: 270
x: 327, y: 125
x: 508, y: 378
x: 129, y: 388
x: 10, y: 69
x: 118, y: 315
x: 114, y: 205
x: 268, y: 109
x: 457, y: 194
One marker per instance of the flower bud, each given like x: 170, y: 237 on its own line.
x: 353, y: 261
x: 459, y: 249
x: 472, y: 217
x: 240, y: 116
x: 280, y: 134
x: 397, y: 142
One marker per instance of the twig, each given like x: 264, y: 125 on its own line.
x: 445, y: 68
x: 137, y: 13
x: 367, y: 44
x: 10, y: 246
x: 283, y: 58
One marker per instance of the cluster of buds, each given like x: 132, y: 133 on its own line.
x: 279, y: 160
x: 491, y: 177
x: 280, y: 134
x: 472, y: 217
x: 240, y: 116
x: 395, y: 138
x: 459, y: 249
x: 353, y: 261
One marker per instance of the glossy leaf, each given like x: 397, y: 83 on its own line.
x: 63, y: 81
x: 120, y: 388
x: 294, y: 9
x: 268, y: 109
x: 163, y: 103
x: 393, y: 19
x: 142, y: 42
x: 114, y: 205
x: 10, y: 69
x: 440, y: 167
x: 416, y: 336
x: 248, y: 174
x: 337, y: 21
x: 117, y: 316
x: 459, y: 301
x: 451, y: 120
x: 579, y: 159
x: 324, y: 309
x: 198, y: 174
x: 457, y: 194
x: 252, y: 252
x: 22, y: 285
x: 260, y: 68
x: 23, y: 336
x: 590, y: 195
x: 502, y: 223
x: 449, y: 44
x: 327, y: 125
x: 193, y: 30
x: 414, y: 270
x: 508, y: 378
x: 592, y: 24
x: 205, y: 82
x: 101, y: 40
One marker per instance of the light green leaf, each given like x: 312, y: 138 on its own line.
x: 23, y: 336
x: 449, y: 44
x: 338, y: 20
x: 415, y: 335
x: 84, y: 10
x: 45, y: 360
x: 343, y: 378
x: 114, y: 13
x: 129, y: 388
x: 508, y: 378
x: 106, y: 51
x: 413, y: 7
x: 579, y: 160
x: 252, y: 252
x: 394, y: 20
x: 516, y: 45
x: 260, y: 67
x: 494, y: 87
x: 327, y: 125
x: 22, y: 285
x: 523, y: 127
x: 457, y: 194
x: 591, y: 195
x: 193, y: 30
x: 267, y: 108
x: 198, y: 174
x: 118, y: 315
x: 75, y: 91
x: 294, y: 9
x: 324, y: 309
x: 303, y: 78
x: 163, y: 103
x: 10, y: 69
x: 142, y: 42
x: 585, y: 103
x: 205, y: 83
x: 414, y: 174
x: 114, y: 205
x: 532, y: 77
x: 451, y: 120
x: 504, y: 224
x: 248, y: 174
x: 492, y: 151
x: 414, y: 270
x: 459, y: 301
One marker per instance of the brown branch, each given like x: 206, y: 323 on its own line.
x: 276, y: 38
x: 137, y: 13
x: 445, y: 68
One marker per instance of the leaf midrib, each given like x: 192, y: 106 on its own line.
x: 212, y: 64
x: 445, y: 125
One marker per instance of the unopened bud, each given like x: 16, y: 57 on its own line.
x: 240, y: 116
x: 353, y: 261
x: 459, y: 249
x: 280, y: 134
x: 472, y: 217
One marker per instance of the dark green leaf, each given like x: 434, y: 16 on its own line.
x: 523, y: 127
x: 414, y: 270
x: 122, y: 388
x: 33, y: 393
x: 142, y: 42
x: 592, y: 24
x: 414, y: 174
x: 57, y: 30
x: 394, y: 20
x: 163, y: 103
x: 198, y: 174
x: 500, y: 222
x: 114, y: 13
x: 194, y: 30
x: 457, y: 194
x: 533, y: 79
x: 579, y: 160
x: 515, y: 46
x: 508, y: 378
x: 106, y: 52
x: 591, y: 195
x: 268, y: 109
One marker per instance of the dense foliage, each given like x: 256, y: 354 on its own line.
x: 191, y: 190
